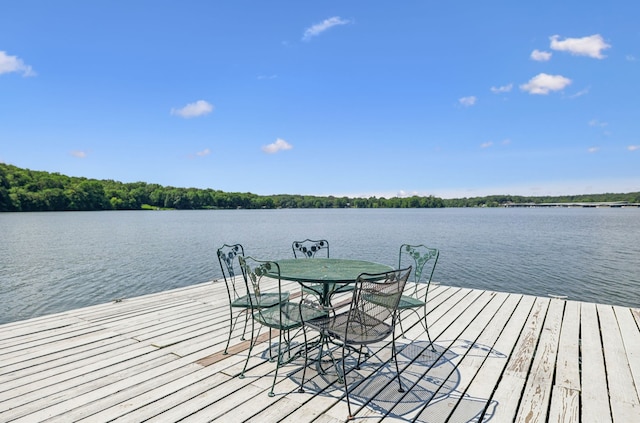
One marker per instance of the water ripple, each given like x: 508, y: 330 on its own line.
x: 51, y: 262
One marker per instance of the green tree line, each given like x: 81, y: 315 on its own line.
x: 29, y: 190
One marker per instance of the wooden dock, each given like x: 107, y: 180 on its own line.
x: 496, y: 357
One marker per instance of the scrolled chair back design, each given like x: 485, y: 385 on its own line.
x: 309, y: 248
x: 228, y: 256
x: 421, y: 255
x: 254, y: 275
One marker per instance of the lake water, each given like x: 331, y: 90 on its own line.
x: 52, y: 262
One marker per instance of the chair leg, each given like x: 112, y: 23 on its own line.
x: 325, y: 341
x: 246, y: 321
x: 400, y: 322
x: 231, y: 325
x: 394, y: 355
x: 278, y: 360
x: 359, y: 357
x: 426, y: 328
x: 271, y: 347
x: 306, y: 361
x: 251, y: 343
x: 344, y: 378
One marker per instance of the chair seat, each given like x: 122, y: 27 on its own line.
x: 407, y: 301
x: 287, y: 315
x: 362, y: 329
x: 385, y: 300
x: 266, y: 300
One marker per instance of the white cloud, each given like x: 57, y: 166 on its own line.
x: 544, y: 83
x: 596, y: 122
x: 278, y: 145
x: 580, y: 93
x: 633, y: 147
x: 502, y: 89
x: 540, y: 56
x: 199, y: 108
x: 203, y: 153
x: 79, y: 154
x: 468, y: 101
x: 486, y: 144
x: 506, y: 141
x: 593, y: 149
x: 261, y: 77
x: 10, y: 64
x: 630, y: 58
x: 319, y: 28
x: 591, y: 46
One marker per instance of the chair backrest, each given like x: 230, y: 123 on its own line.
x: 261, y: 277
x: 375, y: 300
x: 423, y: 259
x: 309, y: 248
x: 227, y: 255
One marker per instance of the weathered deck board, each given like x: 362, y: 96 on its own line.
x: 595, y: 396
x: 496, y: 357
x: 565, y: 400
x: 624, y: 404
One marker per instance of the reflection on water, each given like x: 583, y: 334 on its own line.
x: 51, y: 262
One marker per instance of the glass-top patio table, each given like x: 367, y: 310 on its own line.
x: 327, y: 271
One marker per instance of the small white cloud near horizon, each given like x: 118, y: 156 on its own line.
x: 633, y: 147
x: 630, y: 58
x: 486, y: 144
x: 79, y: 154
x: 468, y: 101
x: 540, y: 56
x: 9, y: 64
x: 278, y: 145
x: 400, y: 194
x: 593, y: 149
x: 319, y: 28
x: 590, y: 46
x: 506, y: 141
x: 199, y: 108
x: 544, y: 83
x: 502, y: 89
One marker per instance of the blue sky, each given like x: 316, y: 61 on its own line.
x: 357, y: 98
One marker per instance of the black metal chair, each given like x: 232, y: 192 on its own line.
x: 423, y: 259
x: 371, y: 317
x: 262, y: 279
x: 239, y: 300
x: 310, y: 248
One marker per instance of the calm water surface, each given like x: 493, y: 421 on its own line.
x: 52, y: 262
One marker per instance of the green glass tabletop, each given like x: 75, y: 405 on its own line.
x: 327, y: 269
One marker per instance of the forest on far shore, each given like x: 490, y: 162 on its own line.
x: 24, y: 190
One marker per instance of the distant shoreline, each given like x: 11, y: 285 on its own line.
x: 25, y: 190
